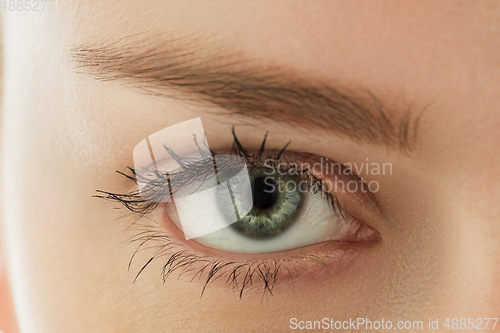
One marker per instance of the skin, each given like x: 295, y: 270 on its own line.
x: 65, y: 135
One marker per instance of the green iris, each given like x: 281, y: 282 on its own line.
x: 276, y: 202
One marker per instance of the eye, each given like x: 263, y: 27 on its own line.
x: 288, y: 211
x: 235, y: 215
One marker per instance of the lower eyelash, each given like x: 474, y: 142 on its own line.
x: 239, y: 275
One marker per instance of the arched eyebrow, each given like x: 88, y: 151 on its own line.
x: 175, y: 68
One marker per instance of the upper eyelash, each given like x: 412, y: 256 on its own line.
x: 134, y: 202
x: 183, y: 261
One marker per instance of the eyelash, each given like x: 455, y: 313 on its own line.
x: 239, y: 275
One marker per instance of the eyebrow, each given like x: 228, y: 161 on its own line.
x: 176, y: 68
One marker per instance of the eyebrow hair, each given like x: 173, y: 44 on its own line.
x: 243, y: 87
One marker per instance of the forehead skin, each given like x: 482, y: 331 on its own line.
x: 443, y: 56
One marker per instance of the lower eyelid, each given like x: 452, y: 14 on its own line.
x: 243, y: 272
x: 200, y: 264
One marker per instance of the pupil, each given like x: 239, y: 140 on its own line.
x: 264, y: 192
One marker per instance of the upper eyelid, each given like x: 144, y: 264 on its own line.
x: 135, y: 202
x: 259, y: 157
